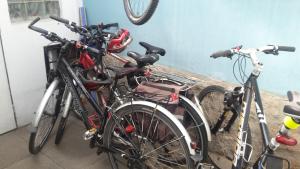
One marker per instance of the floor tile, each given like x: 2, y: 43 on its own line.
x: 35, y: 162
x: 101, y: 163
x: 12, y: 149
x: 73, y: 152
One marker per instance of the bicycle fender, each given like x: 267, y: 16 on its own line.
x: 47, y: 95
x: 169, y: 115
x: 199, y: 110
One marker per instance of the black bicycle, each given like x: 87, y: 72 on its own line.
x: 136, y: 134
x: 140, y: 11
x: 183, y: 109
x: 224, y: 107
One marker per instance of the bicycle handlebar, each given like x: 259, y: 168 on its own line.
x: 269, y: 49
x: 37, y: 29
x: 251, y: 53
x: 54, y: 37
x: 65, y: 21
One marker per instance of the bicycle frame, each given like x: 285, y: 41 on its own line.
x: 250, y: 88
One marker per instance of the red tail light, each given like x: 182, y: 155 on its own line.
x: 174, y: 97
x: 194, y: 145
x: 129, y: 129
x: 286, y: 140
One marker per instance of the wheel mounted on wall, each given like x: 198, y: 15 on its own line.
x: 140, y: 11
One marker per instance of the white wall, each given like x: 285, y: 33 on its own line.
x: 23, y: 50
x: 7, y: 121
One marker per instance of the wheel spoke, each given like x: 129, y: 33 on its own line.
x: 163, y: 146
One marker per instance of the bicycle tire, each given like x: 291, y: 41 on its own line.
x: 195, y: 127
x: 60, y: 130
x: 144, y: 17
x: 33, y: 148
x: 221, y: 139
x: 111, y: 140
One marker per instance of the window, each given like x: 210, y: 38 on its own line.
x: 20, y: 10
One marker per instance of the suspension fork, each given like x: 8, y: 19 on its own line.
x: 234, y: 108
x: 234, y: 116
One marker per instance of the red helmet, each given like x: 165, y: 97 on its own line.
x: 118, y: 43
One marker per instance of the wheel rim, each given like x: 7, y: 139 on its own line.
x: 154, y: 149
x: 47, y: 121
x: 138, y: 7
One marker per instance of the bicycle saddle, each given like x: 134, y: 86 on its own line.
x: 143, y: 60
x: 293, y: 109
x: 153, y: 49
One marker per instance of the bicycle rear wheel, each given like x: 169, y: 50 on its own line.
x: 222, y: 147
x: 139, y: 136
x: 139, y: 11
x: 40, y: 135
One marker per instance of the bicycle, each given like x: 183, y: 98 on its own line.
x: 140, y: 11
x: 97, y: 37
x: 218, y: 103
x: 124, y: 133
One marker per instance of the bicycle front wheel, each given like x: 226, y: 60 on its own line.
x: 140, y: 136
x: 222, y: 147
x: 139, y: 11
x: 39, y: 136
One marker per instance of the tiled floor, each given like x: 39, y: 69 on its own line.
x: 72, y: 153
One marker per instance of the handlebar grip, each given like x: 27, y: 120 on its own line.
x: 65, y: 21
x: 110, y: 25
x: 225, y: 53
x: 34, y: 22
x: 40, y: 30
x: 286, y: 48
x: 93, y: 50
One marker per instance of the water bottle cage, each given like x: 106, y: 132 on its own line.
x: 245, y: 146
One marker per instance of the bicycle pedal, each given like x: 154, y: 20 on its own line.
x: 89, y: 134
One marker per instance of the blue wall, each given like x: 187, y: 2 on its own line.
x: 190, y: 30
